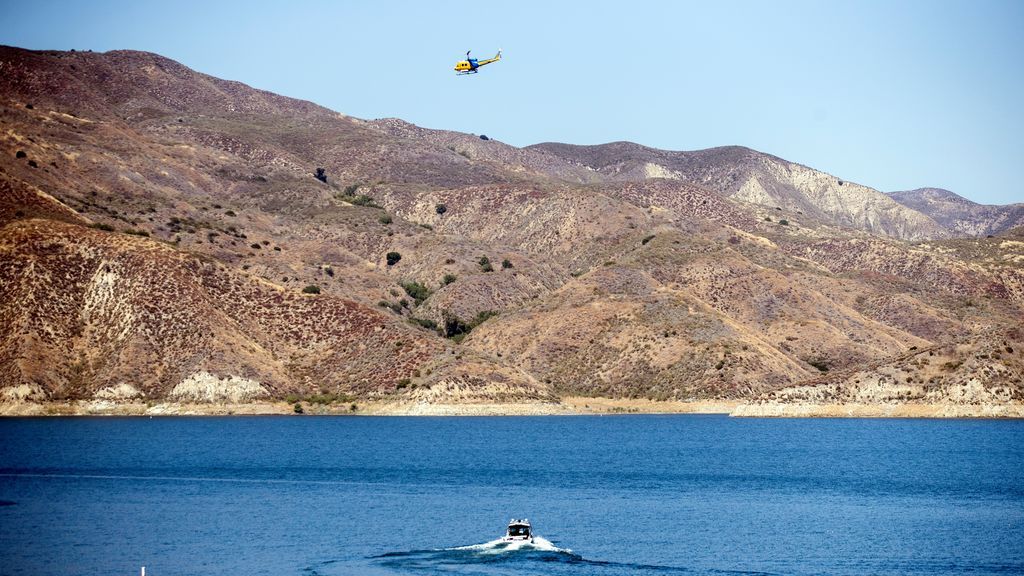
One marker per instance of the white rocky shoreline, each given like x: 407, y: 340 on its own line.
x: 568, y: 406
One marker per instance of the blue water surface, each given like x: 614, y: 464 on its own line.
x: 613, y: 494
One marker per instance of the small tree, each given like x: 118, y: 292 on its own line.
x: 393, y: 258
x: 506, y: 264
x: 485, y: 264
x: 321, y: 175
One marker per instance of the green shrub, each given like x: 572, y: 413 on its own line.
x: 784, y: 222
x: 404, y: 382
x: 453, y: 326
x: 485, y: 264
x: 416, y: 291
x: 297, y: 408
x: 440, y: 208
x: 364, y: 200
x: 448, y: 279
x: 311, y: 289
x: 385, y: 219
x: 425, y: 322
x: 393, y: 258
x: 506, y: 264
x: 350, y: 190
x: 482, y: 317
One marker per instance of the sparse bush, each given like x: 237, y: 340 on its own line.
x: 403, y: 383
x: 485, y: 264
x: 506, y: 264
x: 364, y: 200
x: 350, y: 190
x: 393, y: 258
x: 425, y: 322
x: 440, y: 208
x: 137, y: 232
x: 482, y: 317
x: 385, y: 219
x: 821, y: 365
x: 767, y: 218
x: 448, y: 279
x: 321, y: 175
x: 311, y: 289
x: 453, y: 326
x: 416, y: 291
x: 647, y: 239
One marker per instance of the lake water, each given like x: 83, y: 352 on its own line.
x: 612, y: 494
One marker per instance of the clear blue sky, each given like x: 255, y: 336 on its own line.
x: 891, y: 94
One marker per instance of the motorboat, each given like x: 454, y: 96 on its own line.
x: 518, y: 531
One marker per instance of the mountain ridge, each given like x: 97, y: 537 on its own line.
x: 425, y: 267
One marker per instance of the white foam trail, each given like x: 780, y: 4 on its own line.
x: 498, y: 546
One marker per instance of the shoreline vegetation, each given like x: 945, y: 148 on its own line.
x: 568, y: 406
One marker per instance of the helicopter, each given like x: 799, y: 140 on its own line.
x: 471, y: 65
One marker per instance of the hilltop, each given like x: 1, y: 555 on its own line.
x: 168, y: 237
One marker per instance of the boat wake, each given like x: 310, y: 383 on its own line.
x: 500, y: 545
x: 500, y: 557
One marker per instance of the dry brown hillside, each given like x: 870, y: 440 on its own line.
x: 166, y: 235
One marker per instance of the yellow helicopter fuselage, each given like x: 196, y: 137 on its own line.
x: 470, y: 65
